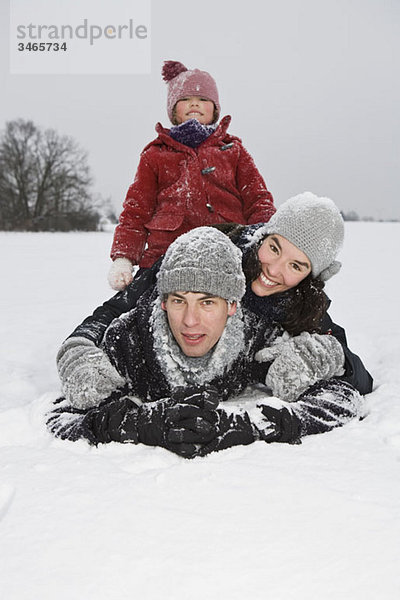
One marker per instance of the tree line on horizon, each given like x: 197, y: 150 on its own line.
x: 352, y: 215
x: 45, y: 182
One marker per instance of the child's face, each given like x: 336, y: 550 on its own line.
x: 194, y: 107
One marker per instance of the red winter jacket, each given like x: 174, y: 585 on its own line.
x: 177, y: 188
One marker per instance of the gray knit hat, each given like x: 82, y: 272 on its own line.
x: 315, y: 226
x: 203, y: 260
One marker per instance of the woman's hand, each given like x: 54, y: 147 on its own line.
x: 301, y: 361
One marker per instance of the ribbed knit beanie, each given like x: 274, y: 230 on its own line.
x: 315, y: 226
x: 183, y: 82
x: 203, y: 260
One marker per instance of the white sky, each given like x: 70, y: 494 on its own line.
x: 312, y: 86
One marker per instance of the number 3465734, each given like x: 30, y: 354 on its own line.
x: 42, y: 47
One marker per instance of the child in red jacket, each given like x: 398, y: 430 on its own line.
x: 191, y: 175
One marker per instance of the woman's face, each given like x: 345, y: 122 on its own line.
x: 283, y: 266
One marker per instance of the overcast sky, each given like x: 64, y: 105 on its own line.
x: 313, y: 88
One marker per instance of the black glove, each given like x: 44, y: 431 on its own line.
x: 180, y: 423
x: 231, y: 430
x: 114, y: 421
x: 283, y: 425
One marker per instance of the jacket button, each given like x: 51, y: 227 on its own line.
x: 210, y: 207
x: 226, y: 146
x: 207, y: 170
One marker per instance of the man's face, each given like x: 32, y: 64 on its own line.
x: 197, y: 320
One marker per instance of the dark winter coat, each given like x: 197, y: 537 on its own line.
x: 177, y: 188
x: 130, y: 343
x: 268, y: 309
x: 94, y: 326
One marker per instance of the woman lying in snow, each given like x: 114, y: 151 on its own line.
x: 153, y: 392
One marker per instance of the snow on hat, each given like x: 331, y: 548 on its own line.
x: 183, y: 82
x: 315, y: 226
x: 203, y: 260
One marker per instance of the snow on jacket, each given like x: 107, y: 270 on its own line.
x: 94, y: 326
x: 355, y: 372
x: 146, y: 356
x: 141, y: 347
x: 177, y: 188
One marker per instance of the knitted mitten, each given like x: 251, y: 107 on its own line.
x: 301, y: 361
x: 120, y: 274
x: 86, y: 374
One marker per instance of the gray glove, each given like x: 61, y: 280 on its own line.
x: 86, y: 374
x: 301, y: 361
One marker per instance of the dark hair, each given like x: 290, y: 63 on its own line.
x: 305, y: 304
x: 308, y: 304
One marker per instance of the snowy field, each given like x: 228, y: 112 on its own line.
x: 315, y: 521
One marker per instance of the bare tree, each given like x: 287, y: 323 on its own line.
x: 350, y: 216
x: 44, y: 180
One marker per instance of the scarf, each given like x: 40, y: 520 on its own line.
x: 271, y: 309
x: 181, y: 370
x: 191, y: 133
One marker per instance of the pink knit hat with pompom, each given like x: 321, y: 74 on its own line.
x: 182, y: 83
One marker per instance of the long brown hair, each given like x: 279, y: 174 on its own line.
x: 305, y: 304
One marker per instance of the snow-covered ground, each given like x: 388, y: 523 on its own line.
x: 319, y: 520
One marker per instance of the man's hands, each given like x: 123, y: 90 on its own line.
x: 243, y: 427
x: 182, y: 424
x: 279, y: 424
x: 190, y: 423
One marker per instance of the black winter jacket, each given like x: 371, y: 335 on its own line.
x: 129, y: 344
x: 94, y: 326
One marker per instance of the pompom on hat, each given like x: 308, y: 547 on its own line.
x: 315, y: 226
x: 203, y: 260
x: 183, y: 82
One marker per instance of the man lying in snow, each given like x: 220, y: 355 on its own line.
x: 165, y: 367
